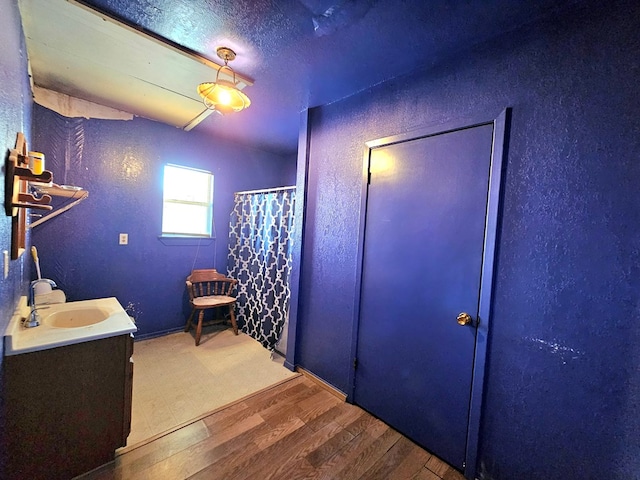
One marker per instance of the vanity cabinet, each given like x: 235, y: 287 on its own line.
x: 67, y: 409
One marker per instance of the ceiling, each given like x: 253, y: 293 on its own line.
x: 299, y: 53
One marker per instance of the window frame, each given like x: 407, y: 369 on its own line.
x: 167, y: 237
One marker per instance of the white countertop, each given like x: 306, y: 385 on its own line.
x: 19, y: 339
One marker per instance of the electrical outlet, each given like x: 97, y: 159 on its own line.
x: 123, y: 239
x: 5, y: 261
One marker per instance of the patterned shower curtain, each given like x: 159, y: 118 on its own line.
x: 260, y: 242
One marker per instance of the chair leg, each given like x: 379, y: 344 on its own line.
x: 199, y: 327
x: 232, y: 312
x: 188, y: 326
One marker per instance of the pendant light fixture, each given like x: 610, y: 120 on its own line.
x: 222, y: 95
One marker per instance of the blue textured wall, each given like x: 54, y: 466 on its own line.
x: 121, y: 163
x: 15, y: 116
x: 563, y: 385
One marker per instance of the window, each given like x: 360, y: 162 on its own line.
x: 187, y: 208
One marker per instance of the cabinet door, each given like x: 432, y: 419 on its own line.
x: 67, y: 406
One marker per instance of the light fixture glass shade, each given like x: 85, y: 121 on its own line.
x: 223, y: 97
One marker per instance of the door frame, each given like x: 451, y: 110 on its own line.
x: 498, y: 161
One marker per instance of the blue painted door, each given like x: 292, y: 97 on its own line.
x: 422, y: 259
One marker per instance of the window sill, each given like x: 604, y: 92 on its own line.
x: 185, y: 241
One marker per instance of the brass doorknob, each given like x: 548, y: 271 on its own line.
x: 464, y: 319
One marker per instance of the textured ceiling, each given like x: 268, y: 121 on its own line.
x: 304, y: 53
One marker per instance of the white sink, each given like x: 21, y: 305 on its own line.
x: 74, y: 318
x: 65, y: 324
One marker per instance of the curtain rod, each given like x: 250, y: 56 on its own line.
x: 265, y: 190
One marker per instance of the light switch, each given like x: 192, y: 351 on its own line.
x: 123, y: 239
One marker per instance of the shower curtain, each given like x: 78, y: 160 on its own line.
x: 260, y: 243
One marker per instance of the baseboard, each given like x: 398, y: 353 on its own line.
x: 147, y: 336
x: 328, y: 387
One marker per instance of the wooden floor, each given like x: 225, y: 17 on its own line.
x: 296, y: 430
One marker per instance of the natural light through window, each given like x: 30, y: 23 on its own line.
x: 187, y: 208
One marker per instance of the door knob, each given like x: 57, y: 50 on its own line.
x: 464, y: 319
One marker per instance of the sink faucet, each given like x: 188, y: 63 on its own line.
x: 34, y: 317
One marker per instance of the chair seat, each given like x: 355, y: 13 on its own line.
x: 212, y: 301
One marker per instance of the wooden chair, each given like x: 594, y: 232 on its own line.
x: 210, y: 289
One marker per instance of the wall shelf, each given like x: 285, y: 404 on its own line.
x: 26, y: 189
x: 17, y: 176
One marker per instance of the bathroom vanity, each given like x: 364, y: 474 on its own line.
x: 67, y: 405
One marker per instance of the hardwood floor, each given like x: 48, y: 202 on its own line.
x: 296, y: 430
